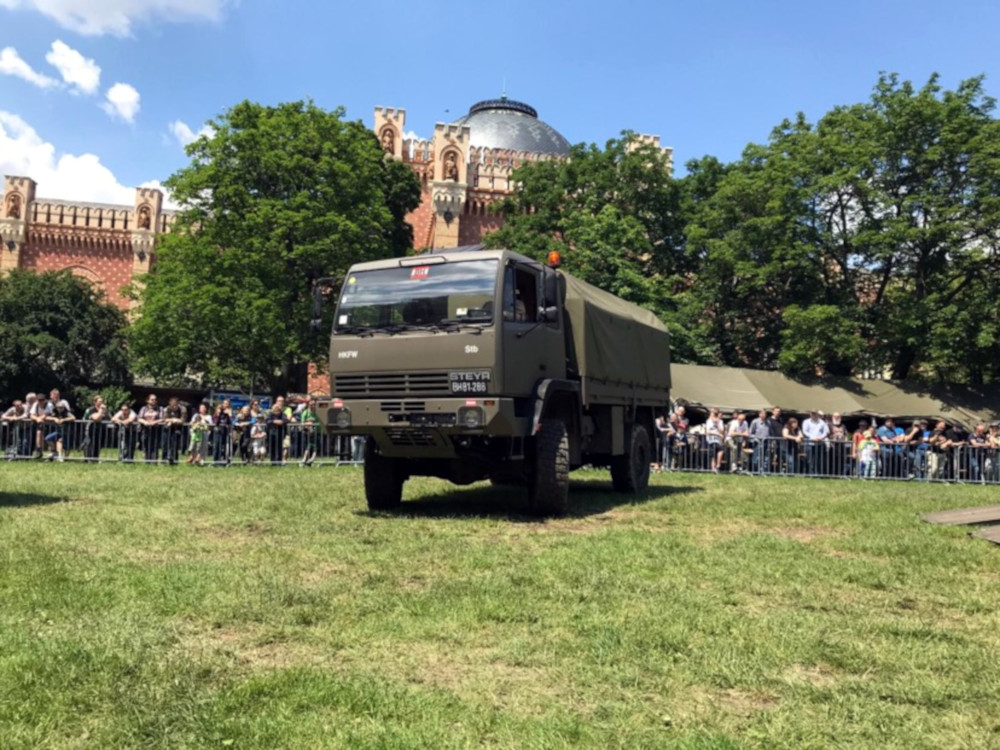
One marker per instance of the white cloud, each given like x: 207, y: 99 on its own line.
x: 122, y: 101
x: 98, y: 17
x: 67, y: 176
x: 12, y: 64
x: 76, y: 70
x: 183, y: 133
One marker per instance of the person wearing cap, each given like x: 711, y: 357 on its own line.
x: 9, y: 423
x: 956, y: 442
x: 919, y: 449
x: 936, y: 447
x: 979, y: 443
x: 815, y: 430
x: 890, y: 436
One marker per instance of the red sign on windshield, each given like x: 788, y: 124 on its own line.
x: 420, y: 272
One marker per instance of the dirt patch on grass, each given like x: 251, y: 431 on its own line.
x: 711, y: 534
x: 744, y: 703
x: 473, y: 672
x: 805, y: 534
x: 819, y: 676
x: 698, y: 704
x: 250, y: 647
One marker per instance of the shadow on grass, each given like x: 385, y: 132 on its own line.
x: 586, y: 498
x: 26, y: 499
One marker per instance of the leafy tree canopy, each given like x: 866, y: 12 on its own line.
x: 885, y: 212
x: 612, y: 213
x: 57, y: 331
x: 275, y: 198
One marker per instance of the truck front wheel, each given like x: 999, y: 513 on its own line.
x: 630, y: 471
x: 383, y: 479
x: 548, y: 489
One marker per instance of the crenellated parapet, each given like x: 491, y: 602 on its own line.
x: 451, y: 148
x: 389, y: 127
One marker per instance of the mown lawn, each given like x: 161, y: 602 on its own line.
x: 263, y: 608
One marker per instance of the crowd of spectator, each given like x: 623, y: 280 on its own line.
x: 46, y: 427
x: 824, y: 445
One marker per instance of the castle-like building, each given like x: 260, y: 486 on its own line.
x: 466, y: 165
x: 463, y: 169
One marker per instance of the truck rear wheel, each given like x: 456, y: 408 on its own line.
x: 630, y: 471
x: 383, y: 479
x: 548, y: 489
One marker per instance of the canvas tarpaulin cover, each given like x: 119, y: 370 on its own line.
x: 616, y: 341
x: 731, y: 388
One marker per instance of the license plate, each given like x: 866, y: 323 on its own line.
x: 469, y: 382
x: 469, y: 386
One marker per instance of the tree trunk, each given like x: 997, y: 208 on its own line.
x: 904, y: 361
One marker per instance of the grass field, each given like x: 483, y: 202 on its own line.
x: 167, y: 608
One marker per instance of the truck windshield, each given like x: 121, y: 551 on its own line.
x: 438, y: 294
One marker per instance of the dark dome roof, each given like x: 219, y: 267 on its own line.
x: 503, y: 123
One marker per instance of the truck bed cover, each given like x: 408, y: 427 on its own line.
x: 616, y: 342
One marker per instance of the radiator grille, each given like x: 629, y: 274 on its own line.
x: 371, y: 385
x: 403, y: 406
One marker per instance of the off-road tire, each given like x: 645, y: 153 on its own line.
x: 548, y: 489
x: 630, y: 471
x: 383, y: 479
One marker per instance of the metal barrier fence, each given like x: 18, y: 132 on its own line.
x: 85, y: 440
x: 832, y: 459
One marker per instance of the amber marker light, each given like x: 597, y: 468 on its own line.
x: 554, y: 260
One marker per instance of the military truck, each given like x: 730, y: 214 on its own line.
x: 472, y: 364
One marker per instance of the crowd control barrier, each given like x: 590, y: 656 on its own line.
x: 831, y: 459
x: 135, y: 442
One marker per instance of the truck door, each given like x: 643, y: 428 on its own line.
x: 532, y: 348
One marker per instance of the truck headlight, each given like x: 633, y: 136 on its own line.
x: 470, y: 417
x: 343, y: 419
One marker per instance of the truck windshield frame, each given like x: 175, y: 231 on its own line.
x: 438, y: 295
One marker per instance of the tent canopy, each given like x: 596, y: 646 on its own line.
x: 731, y: 388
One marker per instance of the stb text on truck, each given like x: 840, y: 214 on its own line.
x: 471, y: 364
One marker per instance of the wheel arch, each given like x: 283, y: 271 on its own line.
x: 560, y: 399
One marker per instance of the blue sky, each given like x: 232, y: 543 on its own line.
x: 707, y: 77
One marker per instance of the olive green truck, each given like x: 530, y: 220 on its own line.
x: 472, y: 364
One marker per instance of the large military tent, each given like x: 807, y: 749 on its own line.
x: 732, y: 388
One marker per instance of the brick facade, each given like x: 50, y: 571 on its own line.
x: 107, y: 245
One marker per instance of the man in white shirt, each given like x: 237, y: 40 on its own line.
x: 736, y: 438
x: 815, y: 430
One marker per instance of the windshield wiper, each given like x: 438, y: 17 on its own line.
x: 455, y: 325
x: 389, y: 330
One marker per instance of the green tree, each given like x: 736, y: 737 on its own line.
x: 886, y: 209
x: 57, y: 331
x: 275, y: 198
x: 612, y: 213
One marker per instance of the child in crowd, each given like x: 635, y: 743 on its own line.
x: 868, y: 449
x: 258, y: 440
x: 201, y: 424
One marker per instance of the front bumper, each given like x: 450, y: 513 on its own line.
x: 415, y: 427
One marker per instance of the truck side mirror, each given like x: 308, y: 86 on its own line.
x: 550, y: 314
